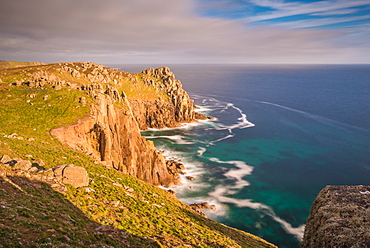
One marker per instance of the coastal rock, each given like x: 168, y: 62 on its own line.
x: 190, y: 178
x: 204, y: 205
x: 339, y: 217
x: 175, y: 167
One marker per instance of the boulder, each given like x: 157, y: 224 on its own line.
x: 23, y: 165
x: 70, y: 174
x: 39, y: 162
x: 58, y: 171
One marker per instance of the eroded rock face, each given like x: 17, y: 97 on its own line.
x: 111, y: 134
x: 340, y: 217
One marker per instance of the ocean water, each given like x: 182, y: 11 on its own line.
x: 279, y: 135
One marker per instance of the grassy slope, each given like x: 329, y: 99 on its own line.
x: 41, y: 217
x: 14, y: 64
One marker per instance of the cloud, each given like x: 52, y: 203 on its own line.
x: 286, y: 9
x: 320, y: 22
x: 146, y: 31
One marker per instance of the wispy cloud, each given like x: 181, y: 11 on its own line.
x: 282, y: 9
x: 336, y: 12
x: 308, y: 23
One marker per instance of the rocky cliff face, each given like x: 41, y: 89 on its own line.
x: 175, y: 109
x: 340, y: 217
x: 111, y: 135
x: 111, y: 132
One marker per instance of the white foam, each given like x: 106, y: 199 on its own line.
x: 223, y: 138
x: 296, y: 231
x: 177, y: 138
x: 201, y: 151
x: 242, y: 120
x: 237, y: 174
x: 181, y: 126
x: 220, y: 194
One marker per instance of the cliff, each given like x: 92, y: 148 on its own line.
x: 339, y: 217
x: 122, y: 104
x: 87, y: 107
x: 111, y: 136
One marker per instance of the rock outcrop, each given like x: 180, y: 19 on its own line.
x: 56, y: 177
x: 111, y: 135
x: 171, y: 111
x: 340, y: 217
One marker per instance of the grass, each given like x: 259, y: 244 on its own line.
x: 38, y: 216
x: 14, y: 64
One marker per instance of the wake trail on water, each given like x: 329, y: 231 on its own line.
x: 316, y: 117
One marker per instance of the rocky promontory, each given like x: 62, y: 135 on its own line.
x: 169, y: 111
x: 121, y: 104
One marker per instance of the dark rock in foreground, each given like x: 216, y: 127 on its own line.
x: 340, y: 217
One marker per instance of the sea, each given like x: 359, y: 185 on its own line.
x: 279, y: 134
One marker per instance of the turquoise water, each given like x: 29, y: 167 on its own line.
x: 280, y: 135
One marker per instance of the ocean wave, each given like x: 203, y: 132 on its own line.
x: 178, y: 139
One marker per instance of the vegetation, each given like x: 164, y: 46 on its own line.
x: 33, y: 214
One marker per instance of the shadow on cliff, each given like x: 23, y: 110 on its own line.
x: 32, y: 214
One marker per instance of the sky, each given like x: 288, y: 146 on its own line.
x: 186, y: 31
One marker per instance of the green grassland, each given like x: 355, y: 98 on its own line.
x: 35, y: 215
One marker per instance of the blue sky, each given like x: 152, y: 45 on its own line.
x: 186, y: 31
x: 291, y: 14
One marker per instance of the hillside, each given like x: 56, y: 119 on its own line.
x: 90, y: 116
